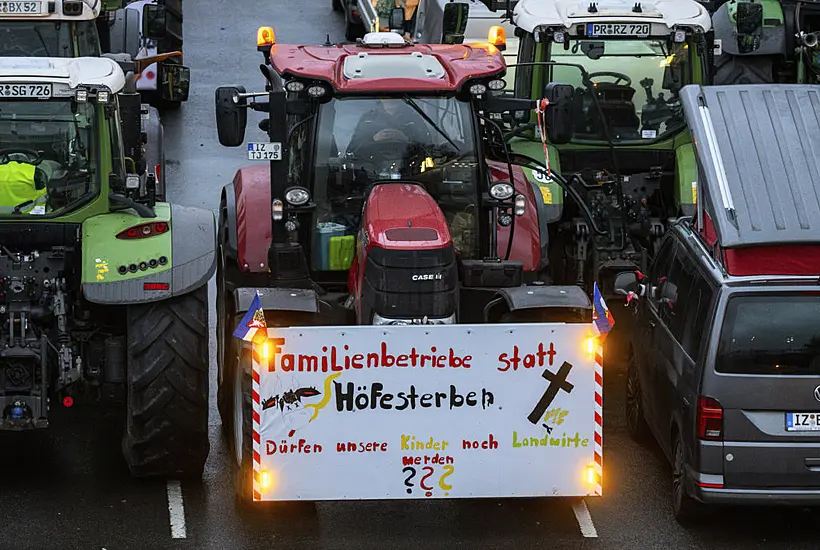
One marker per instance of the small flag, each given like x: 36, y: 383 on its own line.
x: 252, y: 327
x: 601, y: 317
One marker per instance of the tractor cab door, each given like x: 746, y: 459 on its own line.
x: 172, y: 41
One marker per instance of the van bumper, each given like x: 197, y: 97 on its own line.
x: 767, y: 497
x: 708, y: 488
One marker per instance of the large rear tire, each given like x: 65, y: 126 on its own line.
x: 731, y: 69
x: 167, y: 390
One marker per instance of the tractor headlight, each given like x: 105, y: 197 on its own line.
x: 103, y: 96
x: 679, y: 36
x: 501, y: 191
x: 294, y: 86
x: 316, y: 91
x: 297, y: 196
x: 81, y: 96
x: 497, y: 84
x: 558, y: 37
x: 478, y: 89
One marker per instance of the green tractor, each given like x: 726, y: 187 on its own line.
x: 125, y: 30
x: 627, y: 164
x: 767, y: 41
x: 103, y: 289
x: 146, y: 32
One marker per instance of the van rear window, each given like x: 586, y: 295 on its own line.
x: 770, y: 335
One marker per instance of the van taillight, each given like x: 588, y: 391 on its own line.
x: 710, y: 419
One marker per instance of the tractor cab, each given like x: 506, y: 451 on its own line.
x: 62, y: 28
x: 629, y: 154
x: 387, y: 174
x: 147, y: 32
x: 67, y: 134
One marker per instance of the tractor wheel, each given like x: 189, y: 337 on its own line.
x: 338, y: 6
x: 730, y: 69
x: 353, y: 30
x: 167, y: 388
x: 635, y: 418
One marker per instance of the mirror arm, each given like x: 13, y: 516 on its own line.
x: 502, y: 104
x: 141, y: 209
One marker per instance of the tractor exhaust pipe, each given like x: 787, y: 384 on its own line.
x: 808, y: 40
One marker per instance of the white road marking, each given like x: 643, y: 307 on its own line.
x: 584, y: 519
x: 176, y: 510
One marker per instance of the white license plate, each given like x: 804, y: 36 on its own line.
x: 264, y: 151
x: 25, y: 91
x: 802, y: 422
x: 640, y: 30
x: 21, y: 7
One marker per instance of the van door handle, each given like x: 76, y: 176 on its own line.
x: 813, y: 463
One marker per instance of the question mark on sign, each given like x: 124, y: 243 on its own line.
x: 423, y: 479
x: 407, y: 481
x: 448, y: 471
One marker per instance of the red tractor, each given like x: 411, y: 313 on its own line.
x: 386, y: 197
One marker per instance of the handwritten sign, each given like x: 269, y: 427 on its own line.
x: 450, y: 411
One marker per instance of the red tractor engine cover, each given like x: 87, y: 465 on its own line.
x: 405, y: 266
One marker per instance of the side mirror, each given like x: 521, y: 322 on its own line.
x: 454, y: 22
x: 749, y: 17
x: 397, y: 19
x: 668, y: 293
x: 176, y: 81
x: 231, y: 115
x: 626, y: 282
x: 154, y: 22
x: 559, y: 117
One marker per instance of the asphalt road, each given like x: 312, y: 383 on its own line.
x: 69, y: 488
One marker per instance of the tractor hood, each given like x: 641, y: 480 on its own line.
x: 662, y: 14
x: 404, y: 216
x: 418, y: 67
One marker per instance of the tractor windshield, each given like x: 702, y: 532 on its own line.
x: 47, y: 156
x: 429, y: 140
x: 48, y: 39
x: 637, y: 84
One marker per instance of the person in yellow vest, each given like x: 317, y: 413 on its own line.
x: 22, y: 188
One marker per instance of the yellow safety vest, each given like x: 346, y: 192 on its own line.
x: 17, y: 186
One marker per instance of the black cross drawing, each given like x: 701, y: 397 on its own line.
x: 557, y: 382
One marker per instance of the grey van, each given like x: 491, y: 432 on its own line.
x: 724, y: 366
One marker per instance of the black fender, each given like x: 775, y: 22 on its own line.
x: 277, y: 299
x: 154, y: 132
x: 539, y: 301
x: 227, y: 212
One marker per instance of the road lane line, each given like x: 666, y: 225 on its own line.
x: 584, y: 519
x: 176, y: 510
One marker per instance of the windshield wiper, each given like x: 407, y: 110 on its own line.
x: 19, y: 207
x: 42, y: 40
x: 429, y: 120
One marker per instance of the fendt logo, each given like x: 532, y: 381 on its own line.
x: 428, y: 277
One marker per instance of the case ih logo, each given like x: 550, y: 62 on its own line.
x: 428, y: 277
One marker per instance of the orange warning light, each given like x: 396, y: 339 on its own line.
x: 498, y: 37
x: 265, y: 37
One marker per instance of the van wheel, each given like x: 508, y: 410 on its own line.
x: 685, y: 508
x: 635, y: 418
